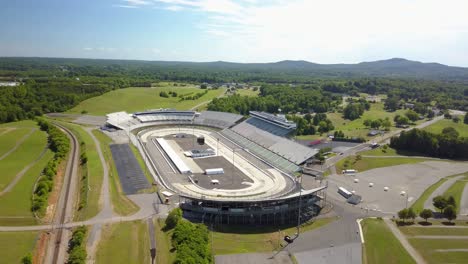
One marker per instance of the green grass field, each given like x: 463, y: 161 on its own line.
x: 367, y: 163
x: 456, y: 190
x: 418, y: 205
x: 433, y: 231
x: 95, y: 173
x: 15, y: 206
x: 121, y: 204
x: 10, y: 137
x: 381, y: 151
x: 163, y: 241
x: 247, y: 92
x: 140, y: 99
x: 15, y: 245
x: 438, y: 126
x: 124, y: 243
x: 381, y: 246
x: 356, y: 127
x: 25, y: 154
x: 235, y: 240
x: 19, y: 124
x: 428, y: 249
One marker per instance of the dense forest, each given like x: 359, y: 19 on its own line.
x: 279, y: 98
x: 55, y: 85
x: 448, y: 144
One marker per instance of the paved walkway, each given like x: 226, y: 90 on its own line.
x: 404, y: 242
x: 439, y: 191
x: 104, y: 200
x: 452, y: 250
x: 440, y: 237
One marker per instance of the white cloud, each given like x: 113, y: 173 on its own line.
x: 88, y: 49
x: 125, y: 6
x: 331, y: 31
x: 343, y: 30
x: 174, y: 8
x: 137, y: 2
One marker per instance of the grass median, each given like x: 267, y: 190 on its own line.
x: 381, y: 246
x: 124, y: 243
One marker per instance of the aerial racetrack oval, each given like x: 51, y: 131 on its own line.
x: 251, y: 180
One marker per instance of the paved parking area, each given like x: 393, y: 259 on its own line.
x: 411, y: 178
x: 254, y: 258
x: 348, y: 253
x: 232, y: 178
x: 130, y: 173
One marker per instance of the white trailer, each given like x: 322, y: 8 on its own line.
x: 346, y: 194
x: 349, y: 172
x: 214, y: 171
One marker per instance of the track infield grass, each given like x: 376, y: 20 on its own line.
x: 381, y: 246
x: 15, y: 245
x: 140, y: 99
x: 124, y: 243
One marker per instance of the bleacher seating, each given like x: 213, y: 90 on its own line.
x: 261, y: 152
x: 216, y: 119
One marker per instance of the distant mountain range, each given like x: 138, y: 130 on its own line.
x: 396, y: 67
x: 292, y: 70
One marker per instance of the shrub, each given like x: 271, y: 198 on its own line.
x: 173, y: 218
x: 426, y: 213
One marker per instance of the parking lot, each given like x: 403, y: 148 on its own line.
x: 412, y: 179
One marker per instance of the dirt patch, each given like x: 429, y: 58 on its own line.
x: 41, y: 248
x: 55, y: 194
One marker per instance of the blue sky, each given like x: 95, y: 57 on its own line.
x: 323, y: 31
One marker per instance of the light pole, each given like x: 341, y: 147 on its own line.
x: 300, y: 205
x: 232, y: 174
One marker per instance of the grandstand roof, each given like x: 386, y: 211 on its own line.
x: 284, y: 147
x: 277, y: 120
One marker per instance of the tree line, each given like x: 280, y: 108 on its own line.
x: 189, y: 240
x: 60, y: 145
x: 448, y: 144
